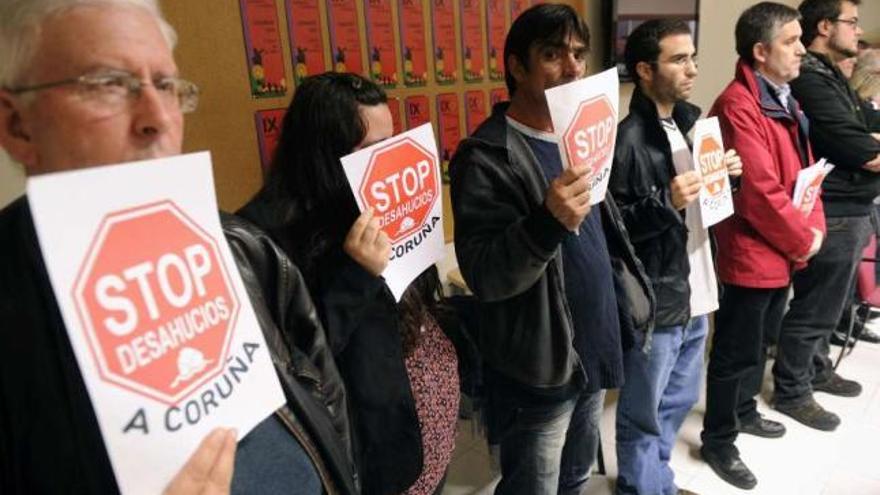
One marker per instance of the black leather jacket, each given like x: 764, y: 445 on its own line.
x: 508, y: 249
x: 640, y: 178
x: 47, y: 424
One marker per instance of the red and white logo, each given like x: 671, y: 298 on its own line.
x: 401, y: 184
x: 155, y: 302
x: 589, y: 139
x: 711, y: 157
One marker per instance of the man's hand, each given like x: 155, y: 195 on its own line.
x: 568, y: 197
x: 685, y: 188
x: 733, y: 163
x: 876, y: 135
x: 209, y: 469
x: 818, y: 239
x: 367, y: 244
x: 873, y: 165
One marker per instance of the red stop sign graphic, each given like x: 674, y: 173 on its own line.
x: 155, y: 302
x: 589, y: 139
x: 401, y: 185
x: 711, y: 157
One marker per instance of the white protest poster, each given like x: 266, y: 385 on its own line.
x: 163, y: 331
x: 584, y: 114
x: 400, y: 179
x: 716, y: 197
x: 809, y: 185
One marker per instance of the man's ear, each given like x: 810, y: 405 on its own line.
x: 645, y: 71
x: 760, y: 52
x: 517, y: 69
x: 824, y: 28
x: 14, y: 137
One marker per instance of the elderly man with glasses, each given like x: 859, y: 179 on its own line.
x: 840, y: 133
x: 87, y: 83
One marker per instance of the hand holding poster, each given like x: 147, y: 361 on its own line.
x: 716, y: 197
x: 400, y: 179
x: 809, y: 184
x: 584, y: 114
x: 163, y: 331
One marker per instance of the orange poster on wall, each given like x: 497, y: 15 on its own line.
x: 498, y: 95
x: 306, y: 44
x: 496, y: 31
x: 473, y: 53
x: 474, y: 109
x: 380, y: 42
x: 417, y: 111
x: 345, y: 38
x: 397, y: 122
x: 443, y: 20
x: 412, y: 42
x: 450, y: 129
x: 268, y: 131
x: 517, y: 7
x: 263, y: 44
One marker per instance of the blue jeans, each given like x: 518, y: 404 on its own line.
x: 661, y: 388
x: 270, y: 460
x: 547, y: 448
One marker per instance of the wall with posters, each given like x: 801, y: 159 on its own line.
x: 439, y: 60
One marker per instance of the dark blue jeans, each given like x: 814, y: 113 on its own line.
x: 661, y: 388
x: 821, y: 291
x: 547, y: 448
x: 270, y: 460
x: 738, y: 358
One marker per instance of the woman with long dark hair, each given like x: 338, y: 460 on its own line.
x: 399, y: 367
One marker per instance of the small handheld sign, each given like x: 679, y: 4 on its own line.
x: 716, y: 196
x: 809, y: 185
x: 584, y: 114
x: 400, y: 179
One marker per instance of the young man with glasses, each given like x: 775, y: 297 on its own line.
x: 840, y: 133
x: 87, y: 83
x: 655, y: 186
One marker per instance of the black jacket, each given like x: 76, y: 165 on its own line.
x: 362, y: 322
x: 508, y: 249
x: 840, y: 132
x: 49, y: 437
x: 640, y: 178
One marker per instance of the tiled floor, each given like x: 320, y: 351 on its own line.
x: 803, y: 462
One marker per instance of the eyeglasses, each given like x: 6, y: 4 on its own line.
x: 854, y: 22
x: 683, y: 61
x: 111, y: 89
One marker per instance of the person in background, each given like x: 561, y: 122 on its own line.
x: 655, y: 185
x: 766, y: 238
x: 865, y: 78
x: 398, y: 364
x: 838, y: 132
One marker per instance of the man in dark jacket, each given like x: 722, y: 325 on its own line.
x: 550, y: 334
x: 128, y: 104
x: 655, y: 185
x: 766, y: 238
x: 838, y: 132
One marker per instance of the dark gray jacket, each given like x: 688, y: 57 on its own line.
x: 508, y: 248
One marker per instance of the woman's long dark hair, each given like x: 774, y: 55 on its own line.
x: 323, y: 124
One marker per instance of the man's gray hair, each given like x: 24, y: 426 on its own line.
x: 21, y: 22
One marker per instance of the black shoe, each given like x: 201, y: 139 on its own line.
x: 811, y: 414
x: 761, y: 427
x: 729, y: 467
x: 837, y: 338
x: 869, y: 336
x: 837, y: 385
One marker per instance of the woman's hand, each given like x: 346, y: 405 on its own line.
x: 367, y: 244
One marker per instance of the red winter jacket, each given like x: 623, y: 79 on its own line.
x: 758, y: 245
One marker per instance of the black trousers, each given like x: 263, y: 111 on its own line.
x: 745, y: 319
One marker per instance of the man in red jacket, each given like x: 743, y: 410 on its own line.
x: 766, y: 238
